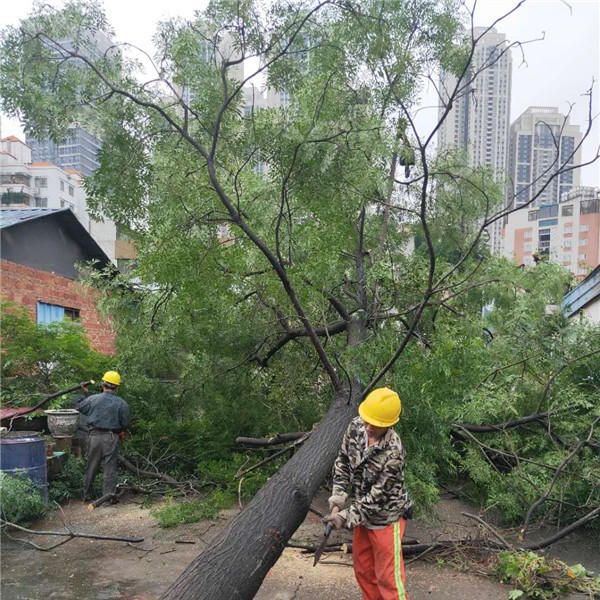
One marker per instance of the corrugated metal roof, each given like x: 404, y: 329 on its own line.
x: 11, y: 217
x: 15, y: 216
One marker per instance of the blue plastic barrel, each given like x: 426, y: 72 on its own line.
x: 24, y: 453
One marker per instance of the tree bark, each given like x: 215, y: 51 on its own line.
x: 234, y: 565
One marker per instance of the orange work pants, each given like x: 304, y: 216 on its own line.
x: 378, y: 564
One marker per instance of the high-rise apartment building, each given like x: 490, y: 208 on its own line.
x: 80, y: 149
x: 479, y: 120
x: 542, y: 140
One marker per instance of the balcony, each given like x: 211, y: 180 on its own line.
x: 15, y: 199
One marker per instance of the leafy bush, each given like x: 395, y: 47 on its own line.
x: 177, y: 513
x: 39, y: 359
x: 69, y: 484
x: 222, y: 474
x: 539, y: 578
x: 20, y: 500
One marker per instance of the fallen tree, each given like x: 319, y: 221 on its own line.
x: 274, y: 244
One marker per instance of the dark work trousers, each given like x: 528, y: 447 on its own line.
x: 102, y: 448
x: 82, y: 438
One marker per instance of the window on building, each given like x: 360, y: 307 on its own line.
x: 589, y: 207
x: 533, y: 215
x: 52, y: 313
x: 524, y: 148
x: 40, y: 202
x: 71, y: 190
x: 14, y: 178
x: 583, y: 242
x: 41, y: 182
x: 567, y: 243
x: 62, y: 185
x: 546, y: 135
x: 527, y: 247
x: 549, y: 210
x: 567, y: 210
x: 584, y: 228
x: 568, y: 230
x: 523, y: 172
x: 544, y: 239
x: 582, y: 256
x: 528, y: 235
x: 566, y: 177
x: 567, y: 148
x: 566, y: 258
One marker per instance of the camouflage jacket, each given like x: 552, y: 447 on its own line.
x: 372, y: 476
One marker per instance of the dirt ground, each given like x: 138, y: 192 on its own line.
x: 107, y: 570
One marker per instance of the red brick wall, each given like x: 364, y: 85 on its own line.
x: 26, y: 286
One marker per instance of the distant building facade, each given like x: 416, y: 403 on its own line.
x: 80, y: 149
x: 478, y: 122
x: 25, y: 183
x: 567, y: 232
x: 28, y: 184
x: 541, y: 141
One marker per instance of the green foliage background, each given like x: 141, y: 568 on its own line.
x: 42, y: 359
x: 198, y: 316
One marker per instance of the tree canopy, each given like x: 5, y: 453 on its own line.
x: 314, y: 248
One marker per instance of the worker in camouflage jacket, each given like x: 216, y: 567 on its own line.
x: 369, y: 496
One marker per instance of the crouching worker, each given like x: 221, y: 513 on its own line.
x: 369, y: 475
x: 108, y: 416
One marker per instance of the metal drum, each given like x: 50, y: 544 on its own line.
x: 24, y: 453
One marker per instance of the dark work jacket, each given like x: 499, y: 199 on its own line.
x: 83, y: 426
x: 106, y: 411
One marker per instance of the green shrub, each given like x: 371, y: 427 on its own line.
x: 69, y: 484
x: 177, y: 513
x: 40, y: 359
x: 222, y: 474
x: 537, y: 578
x: 20, y: 501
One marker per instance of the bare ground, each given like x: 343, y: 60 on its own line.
x: 105, y: 570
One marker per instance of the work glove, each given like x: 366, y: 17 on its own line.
x: 337, y: 519
x: 408, y: 513
x: 338, y: 500
x: 122, y: 435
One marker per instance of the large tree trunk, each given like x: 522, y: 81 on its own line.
x: 234, y: 565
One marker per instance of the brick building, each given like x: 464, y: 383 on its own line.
x: 40, y: 250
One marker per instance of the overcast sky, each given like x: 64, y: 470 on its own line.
x: 558, y: 70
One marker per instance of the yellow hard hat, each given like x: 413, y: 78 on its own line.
x: 381, y: 408
x: 112, y: 377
